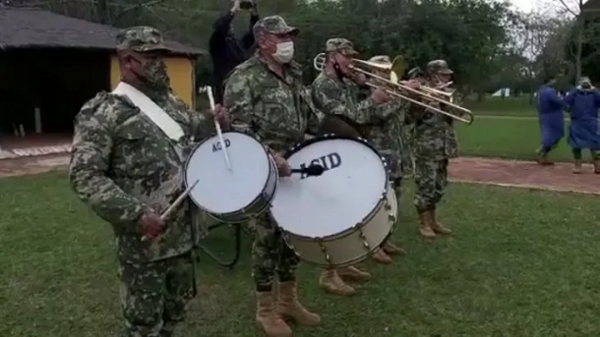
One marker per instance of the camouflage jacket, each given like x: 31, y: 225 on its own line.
x: 386, y: 135
x: 123, y: 165
x: 433, y: 136
x: 333, y: 96
x: 276, y: 110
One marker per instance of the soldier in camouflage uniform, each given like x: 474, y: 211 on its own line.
x: 387, y: 136
x: 335, y: 92
x: 128, y: 171
x: 434, y: 142
x: 266, y: 98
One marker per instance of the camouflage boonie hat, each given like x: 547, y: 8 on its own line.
x: 141, y: 39
x: 341, y: 45
x: 415, y: 72
x: 585, y: 80
x: 382, y: 60
x: 274, y: 24
x: 439, y: 67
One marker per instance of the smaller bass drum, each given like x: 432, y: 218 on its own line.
x: 235, y: 195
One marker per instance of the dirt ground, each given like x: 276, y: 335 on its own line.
x: 472, y: 170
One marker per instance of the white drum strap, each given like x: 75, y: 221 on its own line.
x: 155, y: 113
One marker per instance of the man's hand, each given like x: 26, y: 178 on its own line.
x: 413, y: 84
x: 152, y: 225
x: 359, y: 78
x: 282, y: 165
x: 220, y: 115
x: 379, y: 96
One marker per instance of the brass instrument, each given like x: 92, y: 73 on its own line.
x: 396, y: 71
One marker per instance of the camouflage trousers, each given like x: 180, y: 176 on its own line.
x: 271, y: 255
x: 431, y: 179
x: 154, y: 295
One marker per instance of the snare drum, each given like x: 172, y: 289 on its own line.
x: 342, y: 216
x: 234, y: 195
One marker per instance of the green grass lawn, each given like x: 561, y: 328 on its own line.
x: 522, y: 263
x: 496, y: 106
x: 512, y: 138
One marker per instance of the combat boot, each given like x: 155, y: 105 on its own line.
x: 352, y: 273
x: 426, y: 221
x: 391, y: 249
x: 437, y: 227
x: 597, y: 166
x: 291, y: 309
x: 381, y: 257
x: 331, y: 282
x: 267, y: 317
x: 577, y: 167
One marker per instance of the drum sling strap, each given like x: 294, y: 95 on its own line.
x: 165, y: 123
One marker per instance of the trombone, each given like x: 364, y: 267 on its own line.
x: 396, y: 70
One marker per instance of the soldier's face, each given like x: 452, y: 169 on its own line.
x: 150, y: 69
x: 267, y: 43
x: 342, y: 61
x: 444, y: 78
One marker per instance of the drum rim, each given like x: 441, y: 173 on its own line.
x: 383, y: 198
x: 187, y: 162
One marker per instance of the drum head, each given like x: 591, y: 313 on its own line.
x: 220, y: 190
x: 345, y: 194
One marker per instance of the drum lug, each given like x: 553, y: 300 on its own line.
x: 391, y: 217
x: 324, y: 251
x: 364, y: 238
x: 388, y: 207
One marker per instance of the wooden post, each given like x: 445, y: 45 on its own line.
x: 38, y: 120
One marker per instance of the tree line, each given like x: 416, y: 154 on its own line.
x: 488, y: 44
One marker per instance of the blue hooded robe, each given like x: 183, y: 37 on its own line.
x: 583, y: 131
x: 550, y: 111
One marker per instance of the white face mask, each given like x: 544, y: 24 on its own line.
x: 285, y: 52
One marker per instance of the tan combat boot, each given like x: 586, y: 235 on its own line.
x: 331, y: 282
x: 426, y: 221
x: 291, y: 309
x: 352, y: 273
x: 437, y: 227
x: 381, y: 257
x: 267, y: 317
x: 577, y: 167
x: 391, y: 249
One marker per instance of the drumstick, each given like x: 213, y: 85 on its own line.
x: 179, y: 200
x: 208, y: 90
x: 176, y: 203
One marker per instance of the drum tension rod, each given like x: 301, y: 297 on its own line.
x: 324, y: 250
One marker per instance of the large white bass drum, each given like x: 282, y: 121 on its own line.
x: 237, y: 194
x: 342, y: 216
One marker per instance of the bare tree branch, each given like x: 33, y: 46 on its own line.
x: 567, y: 8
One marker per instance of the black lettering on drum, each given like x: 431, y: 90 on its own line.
x: 328, y: 162
x: 217, y: 146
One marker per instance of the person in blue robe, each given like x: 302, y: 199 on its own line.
x: 552, y: 126
x: 583, y: 103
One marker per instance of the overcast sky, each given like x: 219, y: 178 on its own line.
x: 528, y: 5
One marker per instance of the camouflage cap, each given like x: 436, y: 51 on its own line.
x: 141, y: 39
x: 274, y: 24
x: 341, y: 45
x: 415, y: 72
x: 439, y: 67
x: 382, y: 60
x: 585, y: 80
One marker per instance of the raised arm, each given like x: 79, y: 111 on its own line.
x: 90, y: 157
x: 248, y: 38
x: 330, y: 99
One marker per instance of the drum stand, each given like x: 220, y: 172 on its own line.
x: 237, y: 230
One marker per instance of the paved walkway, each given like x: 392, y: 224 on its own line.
x: 471, y: 170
